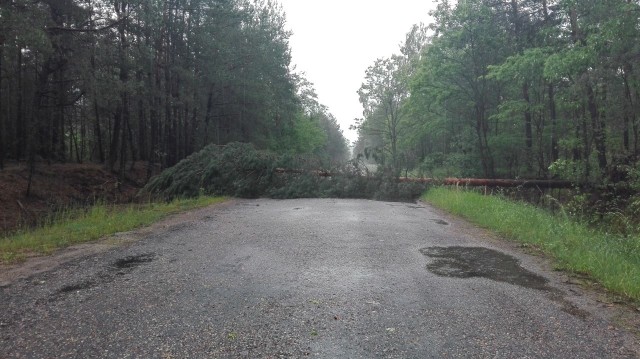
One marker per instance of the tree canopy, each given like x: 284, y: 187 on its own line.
x: 115, y: 81
x: 517, y: 88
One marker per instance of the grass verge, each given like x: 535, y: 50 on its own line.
x: 73, y: 227
x: 612, y: 260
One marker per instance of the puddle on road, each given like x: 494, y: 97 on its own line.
x: 410, y: 204
x: 118, y: 268
x: 134, y: 261
x: 439, y: 221
x: 469, y: 262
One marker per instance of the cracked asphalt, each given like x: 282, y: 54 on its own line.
x: 317, y: 278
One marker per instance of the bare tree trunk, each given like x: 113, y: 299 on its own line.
x: 115, y: 138
x: 98, y: 130
x: 552, y: 102
x: 630, y: 114
x: 132, y: 146
x: 83, y: 136
x: 21, y: 127
x: 143, y: 152
x: 554, y: 124
x: 483, y: 147
x: 597, y: 126
x: 626, y: 133
x: 586, y: 146
x: 121, y: 119
x: 528, y: 129
x: 2, y: 124
x: 207, y: 117
x: 34, y: 127
x: 528, y: 126
x: 123, y: 156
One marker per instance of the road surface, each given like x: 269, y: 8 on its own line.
x: 308, y: 278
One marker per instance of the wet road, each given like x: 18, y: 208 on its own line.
x: 307, y: 278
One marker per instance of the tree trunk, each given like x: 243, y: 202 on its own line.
x: 33, y: 128
x: 483, y: 148
x: 98, y: 130
x: 207, y: 117
x: 56, y: 133
x: 21, y: 127
x: 487, y: 182
x: 143, y: 153
x: 528, y: 130
x: 554, y: 124
x: 83, y: 137
x: 132, y: 145
x: 121, y: 119
x: 597, y: 126
x: 586, y: 155
x: 190, y: 145
x: 552, y: 101
x: 123, y: 155
x: 630, y: 114
x: 74, y: 145
x: 169, y: 129
x: 115, y: 137
x: 2, y: 124
x: 625, y: 133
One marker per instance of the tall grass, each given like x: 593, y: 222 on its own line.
x: 73, y: 226
x: 613, y: 260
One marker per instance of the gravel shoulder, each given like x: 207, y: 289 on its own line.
x: 306, y: 278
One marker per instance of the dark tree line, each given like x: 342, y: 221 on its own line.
x: 513, y: 88
x: 115, y: 81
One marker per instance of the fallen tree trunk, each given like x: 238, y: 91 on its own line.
x: 468, y: 182
x: 486, y: 182
x: 320, y: 173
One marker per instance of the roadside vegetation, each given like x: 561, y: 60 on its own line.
x: 613, y: 259
x: 78, y: 226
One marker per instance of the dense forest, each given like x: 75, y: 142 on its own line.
x: 511, y: 88
x: 117, y: 81
x: 491, y: 88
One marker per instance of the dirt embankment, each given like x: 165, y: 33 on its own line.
x: 61, y: 186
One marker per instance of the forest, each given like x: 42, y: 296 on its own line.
x: 119, y: 81
x: 490, y: 88
x: 511, y: 89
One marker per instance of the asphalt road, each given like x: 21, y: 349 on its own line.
x: 308, y: 278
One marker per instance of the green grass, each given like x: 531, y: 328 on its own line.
x: 73, y: 227
x: 612, y: 260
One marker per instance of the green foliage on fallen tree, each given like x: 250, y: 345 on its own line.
x: 240, y: 170
x: 237, y: 169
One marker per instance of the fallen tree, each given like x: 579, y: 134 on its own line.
x: 241, y: 170
x: 468, y: 182
x: 483, y: 182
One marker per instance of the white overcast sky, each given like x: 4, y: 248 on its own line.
x: 334, y: 41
